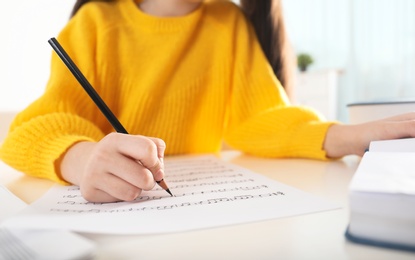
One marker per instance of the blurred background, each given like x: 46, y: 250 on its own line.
x: 369, y: 43
x: 362, y: 50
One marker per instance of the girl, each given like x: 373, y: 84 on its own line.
x: 189, y: 72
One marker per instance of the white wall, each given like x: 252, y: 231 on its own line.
x: 371, y: 41
x: 375, y: 49
x: 26, y: 26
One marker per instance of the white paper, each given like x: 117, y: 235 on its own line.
x: 384, y: 172
x: 397, y: 145
x: 44, y: 244
x: 17, y: 243
x: 208, y: 193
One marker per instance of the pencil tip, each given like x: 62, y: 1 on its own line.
x: 169, y: 192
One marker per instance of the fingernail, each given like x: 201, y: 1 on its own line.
x: 162, y: 161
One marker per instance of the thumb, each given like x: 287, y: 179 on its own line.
x: 158, y: 168
x: 161, y: 146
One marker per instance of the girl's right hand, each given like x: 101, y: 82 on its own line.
x: 117, y: 168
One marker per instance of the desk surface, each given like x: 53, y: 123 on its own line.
x: 311, y: 236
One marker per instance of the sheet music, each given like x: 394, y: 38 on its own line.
x: 208, y: 193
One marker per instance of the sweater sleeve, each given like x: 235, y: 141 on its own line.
x: 261, y: 120
x: 63, y: 115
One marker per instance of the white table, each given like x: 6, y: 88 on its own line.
x: 312, y: 236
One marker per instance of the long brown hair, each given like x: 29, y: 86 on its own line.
x: 80, y: 3
x: 268, y: 21
x: 267, y: 18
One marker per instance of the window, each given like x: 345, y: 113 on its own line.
x: 371, y: 41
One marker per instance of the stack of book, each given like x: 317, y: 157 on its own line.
x: 382, y: 196
x: 368, y: 111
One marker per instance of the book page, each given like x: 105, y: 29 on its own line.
x: 405, y: 145
x: 44, y: 244
x: 382, y: 172
x: 37, y: 244
x: 208, y: 193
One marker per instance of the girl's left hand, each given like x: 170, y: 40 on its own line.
x: 344, y: 140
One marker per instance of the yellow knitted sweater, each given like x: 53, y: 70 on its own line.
x: 193, y: 81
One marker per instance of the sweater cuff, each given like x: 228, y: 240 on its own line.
x: 35, y: 146
x: 306, y: 147
x: 290, y: 132
x: 51, y: 151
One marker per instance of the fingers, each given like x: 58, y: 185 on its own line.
x: 158, y: 169
x: 121, y: 166
x: 401, y: 117
x: 130, y: 171
x: 110, y: 189
x: 161, y: 146
x: 399, y: 126
x: 150, y: 153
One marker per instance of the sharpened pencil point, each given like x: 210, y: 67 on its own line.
x: 164, y: 186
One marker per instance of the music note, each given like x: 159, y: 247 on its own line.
x: 206, y: 189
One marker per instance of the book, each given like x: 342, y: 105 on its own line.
x: 368, y: 111
x: 37, y: 243
x: 398, y: 145
x: 382, y: 196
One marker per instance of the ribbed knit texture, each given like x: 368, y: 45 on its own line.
x: 193, y: 81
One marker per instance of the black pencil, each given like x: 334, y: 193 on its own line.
x: 94, y: 95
